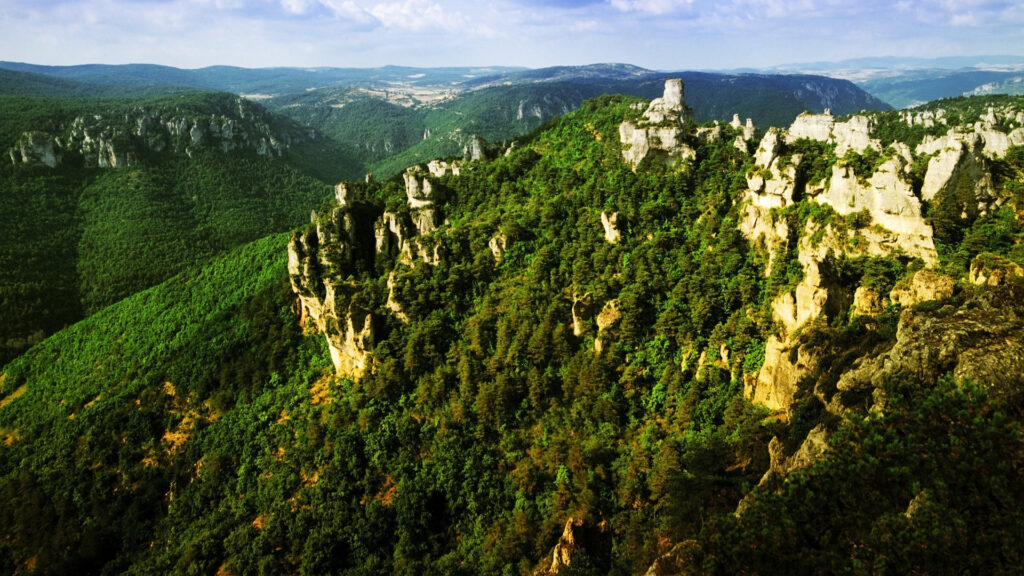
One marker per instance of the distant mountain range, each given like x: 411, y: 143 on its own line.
x: 906, y: 82
x: 387, y: 118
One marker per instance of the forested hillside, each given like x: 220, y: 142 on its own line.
x: 387, y: 136
x: 582, y: 347
x: 103, y: 198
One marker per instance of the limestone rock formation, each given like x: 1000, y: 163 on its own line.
x: 812, y: 448
x: 36, y: 148
x: 854, y: 134
x: 867, y: 302
x: 419, y: 190
x: 606, y: 320
x: 498, y: 245
x: 992, y: 270
x: 576, y: 536
x: 610, y: 222
x: 351, y: 237
x: 476, y: 149
x: 981, y: 340
x: 116, y: 141
x: 922, y: 286
x: 958, y: 162
x: 681, y: 560
x: 890, y: 202
x: 786, y: 362
x: 393, y: 304
x: 582, y: 310
x: 748, y: 130
x: 660, y: 134
x: 439, y: 168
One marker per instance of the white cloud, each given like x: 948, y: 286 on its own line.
x: 656, y: 7
x: 296, y: 6
x: 417, y: 15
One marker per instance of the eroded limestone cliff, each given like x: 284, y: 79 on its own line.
x: 117, y: 140
x: 352, y: 237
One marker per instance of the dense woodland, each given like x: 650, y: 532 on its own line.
x: 81, y: 238
x: 196, y: 427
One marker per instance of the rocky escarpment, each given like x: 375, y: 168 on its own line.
x: 117, y: 140
x: 661, y: 133
x: 884, y: 215
x: 981, y: 340
x: 353, y: 237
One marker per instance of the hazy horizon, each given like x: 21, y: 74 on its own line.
x: 657, y: 34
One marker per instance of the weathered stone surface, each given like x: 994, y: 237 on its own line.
x: 867, y: 302
x: 341, y: 194
x: 36, y: 148
x: 889, y: 200
x: 682, y: 560
x: 609, y: 315
x: 982, y: 340
x: 419, y: 190
x: 922, y: 286
x: 582, y: 310
x: 854, y: 134
x: 439, y: 168
x: 748, y: 131
x: 812, y: 127
x: 958, y: 162
x: 812, y: 448
x: 475, y: 150
x: 992, y: 270
x: 393, y: 304
x: 768, y: 149
x: 576, y: 536
x: 498, y: 245
x: 660, y: 133
x: 610, y: 222
x: 116, y: 141
x: 785, y: 363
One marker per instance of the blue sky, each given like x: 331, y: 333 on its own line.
x: 661, y: 34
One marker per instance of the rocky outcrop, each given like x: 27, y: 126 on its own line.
x: 353, y: 237
x: 610, y: 222
x: 316, y: 258
x: 577, y: 535
x: 682, y: 560
x: 439, y: 168
x: 660, y: 133
x: 419, y: 189
x: 854, y: 134
x: 992, y: 270
x: 747, y: 129
x: 890, y: 203
x: 119, y: 140
x: 498, y: 245
x: 981, y: 340
x: 582, y: 311
x: 785, y: 364
x: 922, y: 286
x: 958, y: 161
x: 36, y: 149
x: 867, y: 302
x: 475, y: 150
x: 813, y: 446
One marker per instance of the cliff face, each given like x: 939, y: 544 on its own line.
x: 890, y: 207
x: 354, y: 237
x: 661, y: 133
x: 117, y: 140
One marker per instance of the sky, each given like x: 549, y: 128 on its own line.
x: 657, y: 34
